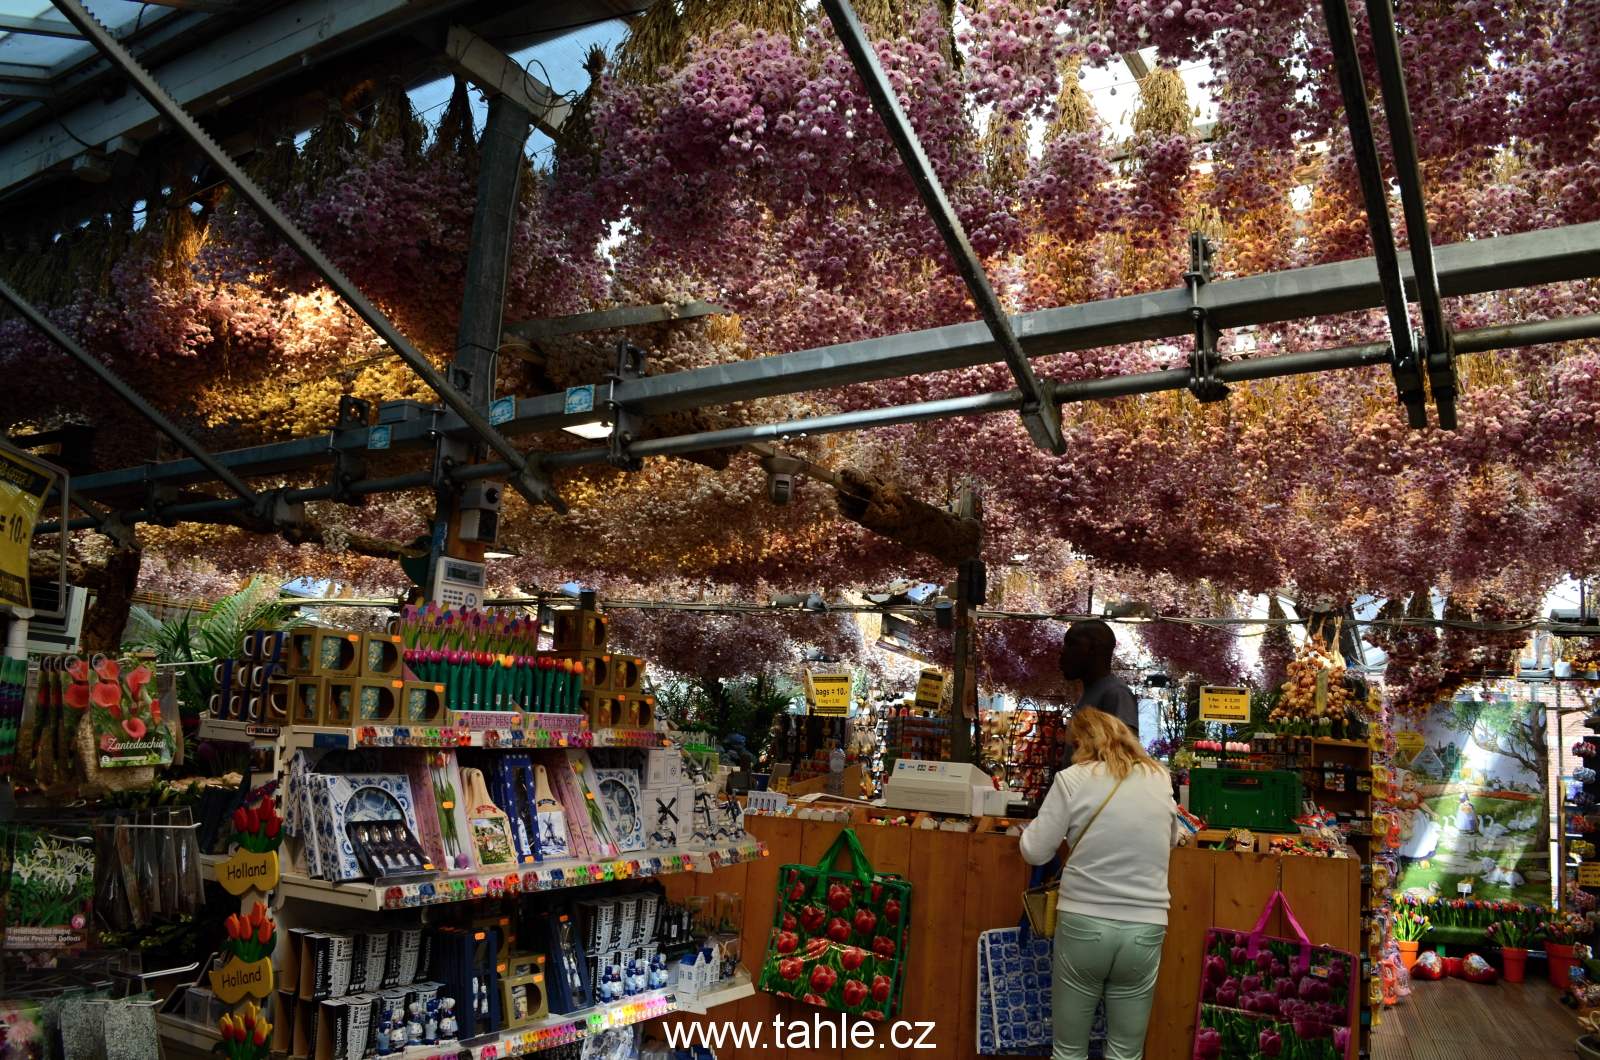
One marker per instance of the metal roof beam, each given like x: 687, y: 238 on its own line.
x: 126, y: 392
x: 254, y: 54
x: 498, y: 74
x: 1524, y: 260
x: 38, y: 27
x: 1362, y: 356
x: 527, y: 479
x: 604, y: 319
x: 1405, y: 362
x: 1436, y: 356
x: 1039, y: 414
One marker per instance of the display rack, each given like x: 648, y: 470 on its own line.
x: 557, y: 1030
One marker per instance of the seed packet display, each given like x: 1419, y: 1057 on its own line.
x: 618, y: 793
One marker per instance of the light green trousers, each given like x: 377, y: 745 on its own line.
x: 1113, y: 959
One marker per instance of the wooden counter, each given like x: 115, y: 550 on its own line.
x: 966, y: 883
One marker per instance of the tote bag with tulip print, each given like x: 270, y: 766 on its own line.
x: 838, y: 937
x: 1264, y: 998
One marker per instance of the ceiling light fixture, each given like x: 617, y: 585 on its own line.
x: 592, y: 431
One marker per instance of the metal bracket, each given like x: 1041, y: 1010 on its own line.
x: 625, y: 426
x: 161, y: 494
x: 118, y: 531
x: 348, y: 466
x: 274, y: 509
x: 1204, y: 359
x: 1407, y: 370
x: 1443, y: 380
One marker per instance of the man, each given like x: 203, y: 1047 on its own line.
x: 1086, y: 656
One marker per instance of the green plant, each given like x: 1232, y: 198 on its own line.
x: 1507, y: 934
x: 1410, y: 925
x: 199, y: 637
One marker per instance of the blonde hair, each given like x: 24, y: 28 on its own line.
x: 1100, y: 737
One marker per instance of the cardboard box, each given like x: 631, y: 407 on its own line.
x: 666, y: 817
x: 663, y: 768
x: 319, y: 652
x: 627, y: 674
x: 381, y: 655
x: 306, y: 706
x: 579, y: 630
x: 422, y: 703
x: 378, y: 701
x: 339, y: 702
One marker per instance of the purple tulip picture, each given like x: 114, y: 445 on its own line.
x: 1270, y: 1043
x: 1207, y: 1044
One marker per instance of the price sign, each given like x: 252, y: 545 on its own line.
x: 930, y: 690
x: 1589, y: 874
x: 830, y: 694
x: 1230, y: 706
x: 1409, y: 743
x: 23, y: 484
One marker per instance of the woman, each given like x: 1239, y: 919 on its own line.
x: 1114, y: 803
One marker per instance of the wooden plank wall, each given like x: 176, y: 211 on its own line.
x: 967, y: 883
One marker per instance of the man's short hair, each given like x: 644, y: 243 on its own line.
x: 1096, y: 632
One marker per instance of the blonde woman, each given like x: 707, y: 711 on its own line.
x: 1114, y: 805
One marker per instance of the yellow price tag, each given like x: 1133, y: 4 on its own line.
x: 1589, y: 874
x: 23, y: 484
x: 930, y: 690
x: 830, y: 694
x: 1230, y: 706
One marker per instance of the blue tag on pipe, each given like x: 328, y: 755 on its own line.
x: 505, y: 409
x: 378, y: 437
x: 580, y: 399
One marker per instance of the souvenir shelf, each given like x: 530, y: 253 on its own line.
x: 441, y: 888
x: 738, y: 988
x: 558, y: 1030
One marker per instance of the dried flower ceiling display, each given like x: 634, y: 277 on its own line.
x: 727, y: 152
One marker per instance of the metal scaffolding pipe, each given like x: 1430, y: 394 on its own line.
x: 1039, y: 414
x: 526, y: 480
x: 126, y: 392
x: 1374, y: 194
x: 1440, y: 360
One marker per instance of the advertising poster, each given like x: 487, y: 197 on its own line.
x: 1471, y: 797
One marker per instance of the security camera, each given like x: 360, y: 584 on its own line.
x: 781, y: 471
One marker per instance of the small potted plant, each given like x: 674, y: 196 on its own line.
x: 1512, y: 940
x: 1409, y: 927
x: 1559, y: 938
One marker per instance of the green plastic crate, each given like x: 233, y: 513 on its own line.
x: 1258, y: 799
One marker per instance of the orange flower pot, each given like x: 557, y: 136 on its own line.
x: 1408, y: 953
x: 1562, y: 962
x: 1515, y: 963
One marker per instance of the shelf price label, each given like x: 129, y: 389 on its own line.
x: 1231, y: 706
x: 1589, y: 874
